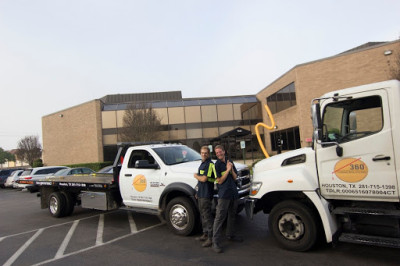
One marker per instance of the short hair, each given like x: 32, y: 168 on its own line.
x: 205, y: 148
x: 219, y: 147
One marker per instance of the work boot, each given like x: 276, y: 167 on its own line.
x: 207, y: 243
x: 217, y: 248
x: 203, y: 237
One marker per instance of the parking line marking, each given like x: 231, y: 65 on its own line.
x: 66, y: 240
x: 92, y: 247
x: 23, y: 248
x: 132, y: 223
x: 54, y: 225
x: 100, y: 230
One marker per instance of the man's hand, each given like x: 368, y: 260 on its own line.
x: 229, y: 166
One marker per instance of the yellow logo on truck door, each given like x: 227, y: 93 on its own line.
x: 140, y: 183
x: 351, y: 170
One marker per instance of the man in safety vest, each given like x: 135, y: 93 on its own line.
x: 206, y: 177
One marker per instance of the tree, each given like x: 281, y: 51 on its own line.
x: 29, y: 149
x: 6, y: 156
x: 141, y: 123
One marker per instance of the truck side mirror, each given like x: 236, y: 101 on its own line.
x: 316, y: 120
x: 353, y: 122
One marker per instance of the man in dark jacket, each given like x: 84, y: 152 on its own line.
x: 227, y: 198
x: 206, y: 177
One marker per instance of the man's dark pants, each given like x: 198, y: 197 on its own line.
x: 206, y: 216
x: 226, y: 208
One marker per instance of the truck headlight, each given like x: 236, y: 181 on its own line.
x: 255, y: 187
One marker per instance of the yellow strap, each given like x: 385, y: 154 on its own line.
x: 211, y: 170
x: 272, y: 126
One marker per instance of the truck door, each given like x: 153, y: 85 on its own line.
x: 362, y: 128
x: 140, y: 186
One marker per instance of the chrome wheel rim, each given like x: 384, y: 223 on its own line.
x: 179, y: 217
x: 53, y: 205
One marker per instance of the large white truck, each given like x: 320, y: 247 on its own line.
x: 156, y: 179
x: 346, y: 186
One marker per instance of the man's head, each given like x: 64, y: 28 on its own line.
x: 205, y: 153
x: 220, y: 152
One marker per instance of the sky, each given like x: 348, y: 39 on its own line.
x: 55, y: 54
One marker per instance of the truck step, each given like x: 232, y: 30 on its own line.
x: 370, y: 240
x: 366, y: 211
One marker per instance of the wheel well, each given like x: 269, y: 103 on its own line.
x: 268, y: 201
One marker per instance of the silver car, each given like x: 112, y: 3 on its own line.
x: 29, y: 175
x: 74, y: 171
x: 11, y: 180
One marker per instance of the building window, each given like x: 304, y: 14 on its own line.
x: 287, y: 139
x: 282, y: 99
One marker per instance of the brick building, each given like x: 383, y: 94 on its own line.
x: 90, y: 132
x: 289, y: 97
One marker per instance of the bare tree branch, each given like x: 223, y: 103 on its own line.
x: 141, y: 123
x: 29, y: 149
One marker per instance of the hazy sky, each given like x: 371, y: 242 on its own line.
x: 55, y: 54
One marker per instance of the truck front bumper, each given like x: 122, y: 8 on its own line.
x: 249, y: 207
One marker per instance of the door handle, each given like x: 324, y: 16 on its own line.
x: 381, y: 158
x: 128, y: 174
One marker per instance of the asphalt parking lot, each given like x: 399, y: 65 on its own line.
x: 30, y: 236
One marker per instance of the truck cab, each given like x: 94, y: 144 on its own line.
x: 344, y: 187
x: 159, y: 179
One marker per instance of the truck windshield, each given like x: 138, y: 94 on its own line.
x: 177, y: 154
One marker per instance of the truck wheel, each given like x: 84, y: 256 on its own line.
x: 181, y: 216
x: 293, y: 225
x: 56, y: 204
x: 69, y: 203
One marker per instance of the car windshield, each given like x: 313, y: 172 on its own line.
x: 177, y: 154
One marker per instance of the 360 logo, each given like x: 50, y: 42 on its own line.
x: 140, y: 183
x: 351, y: 170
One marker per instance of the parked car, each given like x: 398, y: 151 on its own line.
x: 4, y: 174
x: 12, y: 178
x: 29, y: 175
x: 106, y: 170
x: 74, y: 171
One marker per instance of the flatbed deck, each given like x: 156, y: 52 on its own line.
x: 82, y: 181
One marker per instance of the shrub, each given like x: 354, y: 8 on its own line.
x: 37, y: 163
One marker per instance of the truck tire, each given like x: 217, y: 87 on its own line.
x: 57, y: 204
x: 181, y: 216
x: 69, y: 203
x: 293, y: 225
